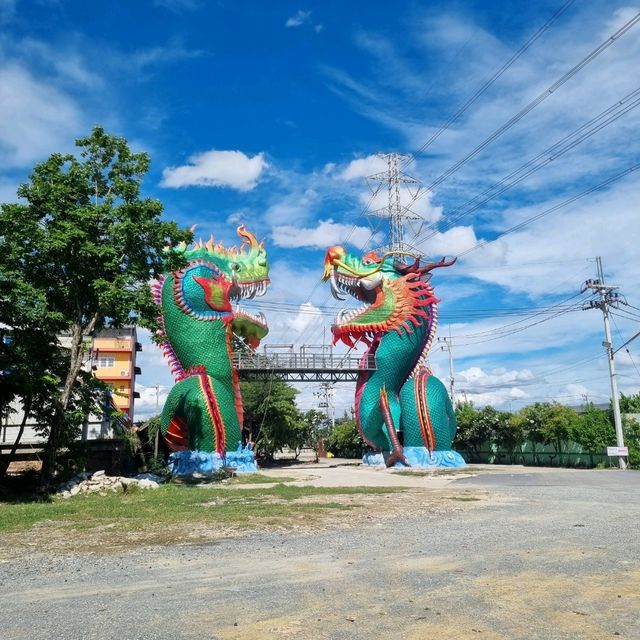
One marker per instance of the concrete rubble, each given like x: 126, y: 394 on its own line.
x: 100, y: 482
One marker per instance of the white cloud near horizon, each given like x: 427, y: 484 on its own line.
x: 325, y: 234
x: 232, y: 169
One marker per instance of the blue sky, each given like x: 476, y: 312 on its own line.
x: 271, y: 113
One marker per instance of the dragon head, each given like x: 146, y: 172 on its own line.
x: 395, y: 295
x: 215, y: 277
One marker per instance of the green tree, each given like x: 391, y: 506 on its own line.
x: 630, y: 404
x: 345, y: 441
x: 548, y: 423
x: 559, y: 425
x: 270, y: 415
x: 631, y: 429
x: 594, y: 430
x: 307, y: 433
x: 470, y: 434
x: 87, y: 244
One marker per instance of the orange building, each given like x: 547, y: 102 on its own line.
x: 114, y: 362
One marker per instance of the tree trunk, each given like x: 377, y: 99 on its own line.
x: 57, y: 422
x: 6, y: 463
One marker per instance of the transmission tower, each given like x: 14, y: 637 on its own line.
x: 607, y: 296
x: 325, y: 396
x: 395, y: 212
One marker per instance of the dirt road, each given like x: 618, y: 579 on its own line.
x: 495, y: 555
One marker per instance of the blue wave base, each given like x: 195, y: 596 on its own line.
x: 189, y: 463
x: 419, y: 457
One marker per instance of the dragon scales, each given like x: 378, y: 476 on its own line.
x: 202, y: 418
x: 400, y: 399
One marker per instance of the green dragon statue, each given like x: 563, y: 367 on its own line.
x: 403, y: 411
x: 202, y: 418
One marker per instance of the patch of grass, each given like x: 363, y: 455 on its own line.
x: 259, y: 478
x: 413, y: 474
x: 176, y: 506
x: 464, y: 498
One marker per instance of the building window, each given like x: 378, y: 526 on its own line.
x: 106, y: 362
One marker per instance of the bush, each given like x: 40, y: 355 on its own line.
x: 344, y: 441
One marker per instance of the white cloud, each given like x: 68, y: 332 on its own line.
x: 232, y: 169
x: 450, y: 243
x: 322, y: 236
x: 294, y: 206
x: 42, y: 118
x: 363, y: 167
x: 299, y: 18
x: 476, y: 380
x: 306, y: 315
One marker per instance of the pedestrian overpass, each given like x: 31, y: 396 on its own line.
x: 304, y: 364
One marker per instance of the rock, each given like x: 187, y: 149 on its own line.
x: 147, y: 484
x: 74, y: 490
x: 97, y: 474
x: 150, y: 476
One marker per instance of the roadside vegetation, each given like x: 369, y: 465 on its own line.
x: 171, y: 514
x: 545, y: 433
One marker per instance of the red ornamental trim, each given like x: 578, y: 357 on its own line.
x: 426, y: 428
x: 237, y: 396
x: 178, y: 296
x: 176, y: 436
x: 213, y: 408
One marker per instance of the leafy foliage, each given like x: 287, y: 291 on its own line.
x: 630, y: 404
x: 595, y: 430
x: 270, y: 415
x: 80, y: 249
x: 470, y: 434
x: 344, y: 440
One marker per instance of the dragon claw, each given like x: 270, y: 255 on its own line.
x: 397, y: 455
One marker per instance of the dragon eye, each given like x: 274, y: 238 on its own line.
x: 235, y: 266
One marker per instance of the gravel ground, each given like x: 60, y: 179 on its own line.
x: 535, y: 555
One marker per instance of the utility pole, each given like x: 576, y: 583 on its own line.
x: 607, y: 296
x: 156, y: 444
x: 395, y: 211
x: 447, y: 345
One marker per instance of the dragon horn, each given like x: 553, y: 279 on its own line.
x: 434, y: 265
x: 254, y: 245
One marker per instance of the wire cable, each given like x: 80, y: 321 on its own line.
x: 544, y: 158
x: 537, y: 101
x: 476, y: 95
x: 554, y: 208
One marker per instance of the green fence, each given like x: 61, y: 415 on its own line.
x: 529, y: 453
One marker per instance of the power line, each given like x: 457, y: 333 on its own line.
x: 554, y: 208
x: 537, y: 101
x: 552, y: 153
x: 526, y: 45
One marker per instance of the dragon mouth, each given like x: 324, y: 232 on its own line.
x: 349, y: 323
x: 249, y: 326
x: 247, y: 290
x: 361, y: 288
x: 258, y: 320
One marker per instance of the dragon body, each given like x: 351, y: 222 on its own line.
x: 403, y: 411
x: 202, y: 419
